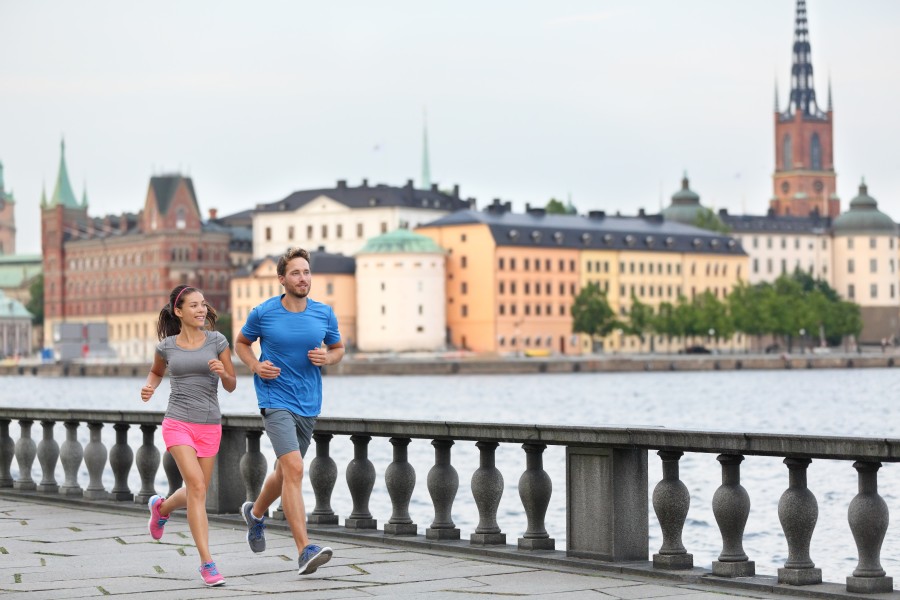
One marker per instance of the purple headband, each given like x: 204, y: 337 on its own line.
x: 174, y: 304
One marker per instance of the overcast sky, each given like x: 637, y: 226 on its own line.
x: 606, y: 101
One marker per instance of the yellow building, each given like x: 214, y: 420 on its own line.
x: 512, y: 278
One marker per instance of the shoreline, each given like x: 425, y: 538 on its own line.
x: 475, y: 365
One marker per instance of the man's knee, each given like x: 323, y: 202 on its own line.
x: 291, y: 465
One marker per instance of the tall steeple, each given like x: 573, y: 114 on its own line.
x: 803, y: 92
x: 426, y: 164
x: 62, y: 192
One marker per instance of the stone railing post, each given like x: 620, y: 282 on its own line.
x: 253, y: 466
x: 868, y: 516
x: 48, y: 456
x: 226, y: 493
x: 173, y: 475
x: 400, y: 480
x: 26, y: 450
x: 323, y: 477
x: 95, y: 460
x: 70, y: 455
x: 443, y: 483
x: 360, y: 481
x: 487, y: 489
x: 147, y: 460
x: 121, y: 457
x: 731, y: 507
x: 798, y: 512
x: 535, y: 489
x: 671, y: 501
x: 7, y: 452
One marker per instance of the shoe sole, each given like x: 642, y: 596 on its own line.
x: 315, y: 562
x: 247, y: 521
x: 218, y: 583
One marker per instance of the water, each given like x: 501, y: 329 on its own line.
x: 826, y: 402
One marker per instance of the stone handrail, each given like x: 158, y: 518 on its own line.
x: 606, y: 470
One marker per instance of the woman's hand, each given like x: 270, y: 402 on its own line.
x: 217, y: 367
x: 147, y: 392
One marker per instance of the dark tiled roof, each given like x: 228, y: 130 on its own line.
x: 322, y: 263
x: 771, y: 223
x: 594, y: 232
x: 366, y: 196
x: 164, y: 187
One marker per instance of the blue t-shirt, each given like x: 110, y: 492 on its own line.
x: 284, y: 338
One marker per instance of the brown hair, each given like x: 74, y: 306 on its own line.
x: 168, y: 322
x: 287, y: 257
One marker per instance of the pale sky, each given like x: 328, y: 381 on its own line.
x: 608, y: 101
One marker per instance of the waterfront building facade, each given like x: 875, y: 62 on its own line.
x: 7, y: 219
x: 343, y: 218
x: 15, y: 328
x: 333, y: 283
x: 513, y: 278
x: 119, y: 269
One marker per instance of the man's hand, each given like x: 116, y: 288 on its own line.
x: 266, y: 370
x: 318, y: 356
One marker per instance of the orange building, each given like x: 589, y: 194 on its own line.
x: 512, y: 278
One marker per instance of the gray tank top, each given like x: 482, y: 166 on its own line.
x: 194, y: 396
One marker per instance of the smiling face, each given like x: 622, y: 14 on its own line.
x: 192, y: 311
x: 297, y: 278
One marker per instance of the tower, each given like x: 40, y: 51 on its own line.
x: 804, y: 180
x: 7, y: 219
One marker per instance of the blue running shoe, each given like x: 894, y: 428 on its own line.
x: 256, y: 528
x: 312, y: 558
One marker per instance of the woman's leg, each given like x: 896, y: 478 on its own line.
x: 197, y: 473
x: 174, y: 502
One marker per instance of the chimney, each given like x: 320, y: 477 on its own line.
x: 342, y: 184
x: 213, y: 213
x: 536, y: 211
x: 456, y: 191
x: 365, y: 183
x: 597, y: 214
x: 723, y: 212
x: 434, y: 187
x: 641, y: 213
x: 409, y: 183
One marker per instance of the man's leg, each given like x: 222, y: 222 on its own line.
x: 270, y: 492
x: 290, y: 470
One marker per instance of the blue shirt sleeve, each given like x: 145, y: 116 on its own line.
x: 251, y: 329
x: 332, y: 334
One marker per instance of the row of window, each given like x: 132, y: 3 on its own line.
x: 136, y: 259
x: 873, y: 291
x: 873, y: 265
x: 535, y: 264
x: 873, y: 242
x: 324, y: 231
x: 79, y: 285
x: 770, y: 265
x: 527, y: 288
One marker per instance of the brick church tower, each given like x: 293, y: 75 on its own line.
x: 804, y: 179
x: 7, y: 219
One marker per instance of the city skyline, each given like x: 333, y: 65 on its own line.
x: 606, y: 102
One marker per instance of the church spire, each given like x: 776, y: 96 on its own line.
x: 426, y: 164
x: 803, y: 93
x: 62, y: 193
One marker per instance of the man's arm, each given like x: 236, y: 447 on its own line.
x: 265, y: 369
x: 334, y: 353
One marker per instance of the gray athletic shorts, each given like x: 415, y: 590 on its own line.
x: 287, y: 432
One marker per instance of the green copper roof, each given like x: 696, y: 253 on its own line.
x: 10, y: 308
x: 401, y: 241
x: 863, y: 216
x: 685, y: 196
x: 62, y: 193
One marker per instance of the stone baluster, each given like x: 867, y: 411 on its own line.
x: 400, y: 480
x: 443, y: 483
x: 121, y: 458
x: 798, y: 512
x: 26, y: 450
x: 7, y: 452
x: 253, y: 466
x: 172, y: 473
x: 147, y: 460
x: 323, y: 476
x: 487, y: 489
x: 535, y: 489
x: 95, y: 459
x: 48, y: 456
x: 868, y: 517
x: 70, y: 455
x: 360, y: 480
x: 731, y: 507
x: 671, y: 501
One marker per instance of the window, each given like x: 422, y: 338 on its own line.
x: 783, y: 243
x: 384, y: 227
x: 851, y: 266
x: 502, y: 309
x: 873, y: 265
x: 464, y: 310
x: 463, y: 288
x: 756, y: 265
x: 339, y: 231
x: 501, y: 263
x: 787, y: 154
x: 797, y: 244
x: 755, y: 242
x: 527, y: 264
x: 849, y: 243
x: 873, y: 243
x: 359, y: 230
x: 873, y: 291
x: 329, y: 289
x: 502, y: 287
x: 462, y: 237
x: 268, y: 234
x: 512, y: 264
x: 769, y: 242
x: 309, y: 232
x: 291, y: 232
x: 463, y: 262
x: 783, y: 266
x: 527, y: 288
x: 769, y: 266
x: 815, y: 153
x: 512, y: 287
x: 851, y: 292
x: 180, y: 219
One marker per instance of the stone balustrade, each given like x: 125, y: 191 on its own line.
x: 606, y: 483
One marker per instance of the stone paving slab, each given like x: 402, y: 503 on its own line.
x: 64, y: 551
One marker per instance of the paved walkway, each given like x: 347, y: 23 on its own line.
x: 57, y: 551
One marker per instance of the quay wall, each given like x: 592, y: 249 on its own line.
x: 442, y: 365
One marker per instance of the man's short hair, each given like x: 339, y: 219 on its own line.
x: 287, y: 257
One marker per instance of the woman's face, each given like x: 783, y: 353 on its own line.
x: 192, y: 311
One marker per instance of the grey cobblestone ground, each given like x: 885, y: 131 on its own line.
x: 56, y: 551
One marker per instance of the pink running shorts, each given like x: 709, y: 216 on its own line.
x: 202, y: 437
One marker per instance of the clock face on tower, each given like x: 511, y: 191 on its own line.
x: 818, y: 186
x: 785, y: 186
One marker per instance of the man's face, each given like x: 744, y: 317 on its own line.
x: 297, y: 278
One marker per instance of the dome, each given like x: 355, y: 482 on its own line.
x: 685, y: 207
x: 401, y: 241
x: 863, y: 216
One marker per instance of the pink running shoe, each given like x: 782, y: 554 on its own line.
x: 210, y: 574
x: 157, y: 521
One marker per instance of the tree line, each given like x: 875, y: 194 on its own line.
x: 793, y: 305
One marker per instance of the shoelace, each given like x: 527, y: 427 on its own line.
x: 257, y: 529
x: 162, y: 521
x: 211, y: 569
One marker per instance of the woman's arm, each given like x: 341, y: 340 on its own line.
x: 224, y: 368
x: 154, y: 377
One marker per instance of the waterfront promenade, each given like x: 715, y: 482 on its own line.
x: 60, y: 548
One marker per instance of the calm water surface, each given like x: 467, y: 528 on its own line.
x: 826, y: 402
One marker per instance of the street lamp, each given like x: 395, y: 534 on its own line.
x: 802, y: 335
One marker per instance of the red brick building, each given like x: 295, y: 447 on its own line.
x: 119, y: 269
x: 7, y: 219
x: 804, y: 180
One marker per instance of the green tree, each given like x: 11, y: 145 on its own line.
x: 712, y: 315
x: 36, y: 304
x: 556, y: 207
x: 591, y: 312
x: 665, y: 322
x: 707, y: 219
x: 223, y: 325
x: 640, y: 319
